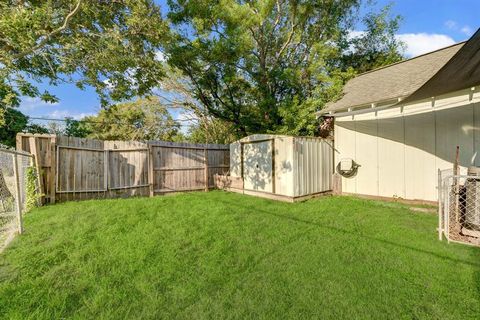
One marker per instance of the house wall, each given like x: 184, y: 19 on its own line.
x: 400, y: 149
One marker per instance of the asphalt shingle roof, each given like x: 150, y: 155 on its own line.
x: 397, y: 80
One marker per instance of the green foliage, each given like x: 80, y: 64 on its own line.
x: 211, y: 130
x: 377, y: 45
x: 220, y: 255
x: 36, y: 128
x: 32, y: 195
x: 267, y: 66
x: 75, y: 128
x: 14, y: 122
x: 143, y: 119
x: 110, y: 45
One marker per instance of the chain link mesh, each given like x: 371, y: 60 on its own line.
x: 13, y: 168
x: 459, y: 208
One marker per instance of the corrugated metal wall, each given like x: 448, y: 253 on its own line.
x: 303, y: 165
x: 313, y: 165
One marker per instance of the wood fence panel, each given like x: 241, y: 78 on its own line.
x: 79, y: 169
x: 180, y: 166
x: 41, y: 146
x: 128, y: 168
x: 219, y: 163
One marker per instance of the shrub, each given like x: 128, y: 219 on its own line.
x: 32, y: 198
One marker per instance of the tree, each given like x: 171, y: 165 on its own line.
x: 36, y: 128
x: 15, y: 122
x: 377, y: 45
x: 143, y: 119
x: 177, y: 92
x: 55, y: 128
x: 264, y: 66
x: 75, y: 128
x: 110, y: 45
x: 211, y: 130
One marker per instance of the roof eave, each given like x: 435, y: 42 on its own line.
x: 367, y: 107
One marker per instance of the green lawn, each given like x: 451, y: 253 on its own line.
x: 222, y: 255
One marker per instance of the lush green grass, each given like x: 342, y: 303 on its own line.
x: 221, y: 255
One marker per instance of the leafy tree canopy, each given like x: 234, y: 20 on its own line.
x: 249, y: 66
x: 110, y: 45
x: 376, y: 46
x: 143, y: 119
x: 212, y: 130
x: 15, y: 122
x: 267, y: 66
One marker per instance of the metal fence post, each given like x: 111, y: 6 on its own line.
x: 18, y: 203
x: 439, y: 189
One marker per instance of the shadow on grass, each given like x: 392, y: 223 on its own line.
x: 476, y: 274
x: 382, y: 241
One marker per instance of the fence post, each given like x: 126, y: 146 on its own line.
x: 53, y: 168
x: 18, y: 203
x: 439, y: 189
x: 106, y: 161
x: 150, y: 169
x: 36, y: 157
x: 205, y: 154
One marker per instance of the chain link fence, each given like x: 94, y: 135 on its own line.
x: 459, y: 206
x: 14, y: 168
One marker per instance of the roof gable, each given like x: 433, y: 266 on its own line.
x: 462, y: 71
x: 394, y: 81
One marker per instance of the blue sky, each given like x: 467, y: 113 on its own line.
x: 427, y: 25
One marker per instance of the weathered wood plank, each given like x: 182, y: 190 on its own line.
x: 78, y: 168
x: 53, y: 168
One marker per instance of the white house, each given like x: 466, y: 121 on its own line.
x: 403, y: 122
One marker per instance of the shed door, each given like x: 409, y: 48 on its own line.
x: 257, y: 166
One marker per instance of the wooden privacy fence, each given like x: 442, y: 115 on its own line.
x: 76, y: 168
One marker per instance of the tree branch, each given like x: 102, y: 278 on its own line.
x: 51, y: 34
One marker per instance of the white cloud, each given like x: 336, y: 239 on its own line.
x: 417, y: 43
x: 61, y: 114
x: 420, y: 43
x: 450, y: 24
x: 466, y: 30
x: 453, y: 25
x: 186, y: 119
x: 160, y: 56
x: 355, y: 34
x: 29, y: 104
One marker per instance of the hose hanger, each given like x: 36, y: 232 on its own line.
x: 347, y: 168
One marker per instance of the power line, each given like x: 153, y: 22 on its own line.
x: 104, y: 122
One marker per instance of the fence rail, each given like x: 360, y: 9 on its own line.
x: 76, y: 169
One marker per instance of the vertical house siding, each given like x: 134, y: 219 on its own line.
x: 420, y: 159
x: 399, y: 150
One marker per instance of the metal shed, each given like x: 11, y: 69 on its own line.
x: 281, y: 167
